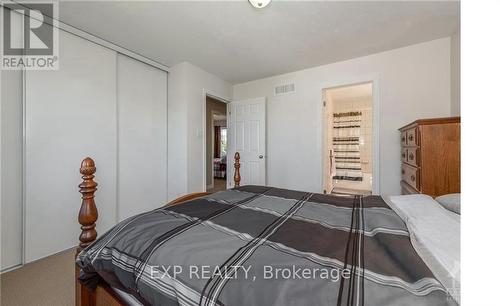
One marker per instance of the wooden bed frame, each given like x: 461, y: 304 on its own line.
x: 104, y: 295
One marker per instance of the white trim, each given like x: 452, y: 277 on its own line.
x: 375, y: 80
x: 208, y: 93
x: 229, y: 171
x: 1, y: 205
x: 212, y: 136
x: 23, y: 169
x: 12, y: 268
x: 117, y: 140
x: 97, y: 40
x: 166, y: 138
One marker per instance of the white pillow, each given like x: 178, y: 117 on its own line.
x: 450, y: 201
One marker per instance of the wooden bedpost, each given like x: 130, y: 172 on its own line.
x: 88, y: 211
x: 237, y: 177
x: 87, y: 218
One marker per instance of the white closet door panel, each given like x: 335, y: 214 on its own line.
x: 70, y: 114
x: 11, y: 161
x: 142, y: 137
x: 12, y: 170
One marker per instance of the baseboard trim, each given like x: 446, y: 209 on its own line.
x: 11, y: 268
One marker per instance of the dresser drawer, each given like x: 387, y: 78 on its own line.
x: 404, y: 155
x: 411, y: 137
x: 413, y: 156
x: 403, y: 138
x: 411, y: 176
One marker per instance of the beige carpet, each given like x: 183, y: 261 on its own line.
x: 219, y: 184
x: 346, y: 191
x: 48, y: 282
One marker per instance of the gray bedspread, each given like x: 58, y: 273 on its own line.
x: 257, y: 245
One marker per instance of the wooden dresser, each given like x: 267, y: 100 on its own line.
x: 430, y: 156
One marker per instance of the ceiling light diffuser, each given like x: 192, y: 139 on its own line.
x: 259, y: 3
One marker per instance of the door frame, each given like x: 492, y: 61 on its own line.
x: 212, y: 113
x: 209, y: 93
x: 375, y: 80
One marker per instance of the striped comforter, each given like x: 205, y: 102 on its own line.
x: 257, y: 245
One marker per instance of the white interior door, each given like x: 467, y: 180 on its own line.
x: 247, y: 134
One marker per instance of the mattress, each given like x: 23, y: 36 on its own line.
x: 255, y: 240
x: 435, y: 235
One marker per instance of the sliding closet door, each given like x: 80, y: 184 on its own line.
x: 142, y: 137
x: 70, y: 114
x: 11, y: 181
x: 11, y: 172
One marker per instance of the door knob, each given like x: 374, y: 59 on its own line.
x: 261, y: 156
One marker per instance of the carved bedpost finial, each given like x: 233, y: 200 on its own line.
x: 88, y: 211
x: 237, y: 177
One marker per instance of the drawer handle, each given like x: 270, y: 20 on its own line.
x: 410, y: 138
x: 403, y: 155
x: 403, y: 171
x: 411, y: 156
x: 413, y: 178
x: 403, y: 139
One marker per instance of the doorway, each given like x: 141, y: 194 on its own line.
x: 216, y: 144
x: 348, y: 144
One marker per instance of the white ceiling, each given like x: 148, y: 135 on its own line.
x: 239, y: 43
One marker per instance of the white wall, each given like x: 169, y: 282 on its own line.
x: 455, y: 74
x: 414, y: 83
x: 188, y: 85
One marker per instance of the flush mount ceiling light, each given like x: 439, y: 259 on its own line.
x: 259, y: 3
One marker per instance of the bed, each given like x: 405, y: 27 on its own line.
x: 259, y: 245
